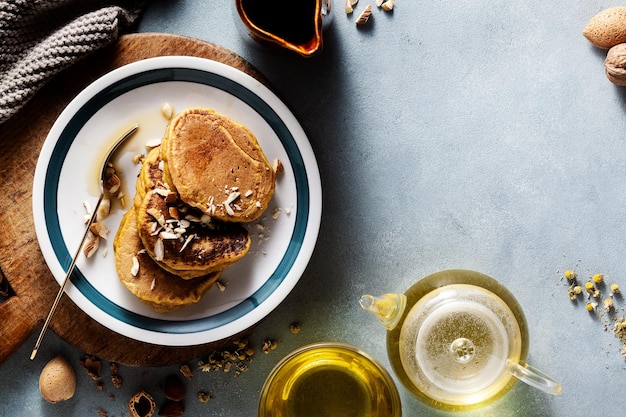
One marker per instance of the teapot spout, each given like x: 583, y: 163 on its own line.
x: 387, y: 307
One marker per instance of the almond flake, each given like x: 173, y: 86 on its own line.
x: 91, y: 246
x: 173, y: 211
x: 138, y: 158
x: 158, y: 216
x: 153, y: 143
x: 278, y: 166
x: 134, y: 270
x: 248, y: 193
x: 99, y: 229
x: 167, y: 110
x: 168, y: 235
x: 232, y: 197
x: 365, y: 15
x: 187, y: 241
x: 349, y: 8
x: 162, y: 192
x: 388, y: 5
x: 159, y: 250
x: 104, y: 209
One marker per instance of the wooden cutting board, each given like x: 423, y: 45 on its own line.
x: 21, y: 262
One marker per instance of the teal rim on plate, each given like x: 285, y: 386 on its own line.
x: 301, y: 241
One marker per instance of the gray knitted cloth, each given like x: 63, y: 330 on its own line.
x: 39, y: 38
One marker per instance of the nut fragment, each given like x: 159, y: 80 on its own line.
x: 116, y: 380
x: 349, y: 8
x: 387, y: 5
x: 141, y: 404
x: 278, y: 166
x: 112, y: 183
x: 159, y: 250
x: 92, y: 366
x: 134, y: 270
x: 185, y: 370
x: 167, y: 110
x: 99, y: 229
x: 365, y: 15
x: 615, y: 64
x: 204, y: 397
x: 91, y: 246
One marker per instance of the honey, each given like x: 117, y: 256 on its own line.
x: 329, y: 379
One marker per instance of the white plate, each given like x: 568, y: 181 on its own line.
x: 66, y: 177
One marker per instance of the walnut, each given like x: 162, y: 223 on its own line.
x: 615, y: 64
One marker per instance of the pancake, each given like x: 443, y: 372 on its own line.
x: 216, y: 165
x: 150, y: 176
x: 184, y: 242
x: 154, y: 286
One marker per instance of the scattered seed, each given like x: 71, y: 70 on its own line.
x: 295, y: 327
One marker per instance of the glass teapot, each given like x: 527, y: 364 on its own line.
x: 457, y: 340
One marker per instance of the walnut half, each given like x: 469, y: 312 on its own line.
x: 615, y: 64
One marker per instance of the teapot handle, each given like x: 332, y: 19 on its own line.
x: 533, y: 377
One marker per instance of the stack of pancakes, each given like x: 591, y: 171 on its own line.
x: 194, y: 194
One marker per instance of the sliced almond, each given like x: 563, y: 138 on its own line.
x: 91, y: 246
x: 112, y: 183
x: 99, y: 229
x: 167, y: 110
x: 168, y: 236
x: 159, y: 250
x: 153, y: 143
x: 104, y: 209
x: 187, y: 241
x: 387, y: 5
x: 349, y: 8
x: 365, y: 15
x: 278, y: 166
x: 134, y: 270
x: 158, y: 216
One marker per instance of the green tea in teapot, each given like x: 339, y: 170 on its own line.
x: 457, y: 343
x: 457, y: 339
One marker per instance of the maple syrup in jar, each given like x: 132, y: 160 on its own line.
x: 290, y: 20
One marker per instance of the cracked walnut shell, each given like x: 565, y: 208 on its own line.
x: 615, y: 64
x: 141, y: 405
